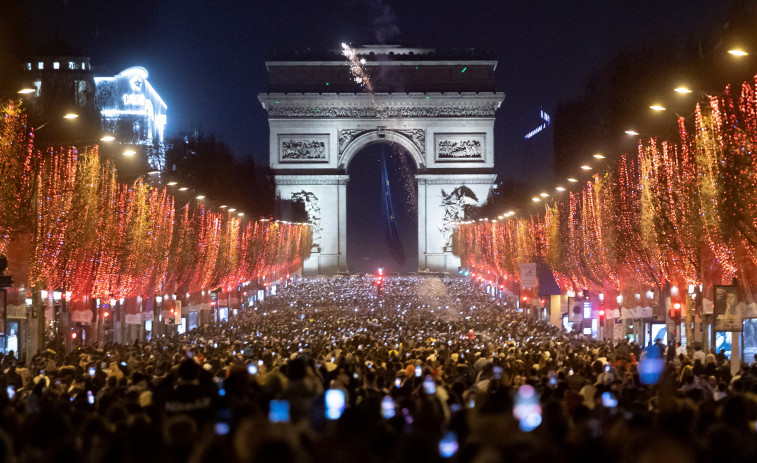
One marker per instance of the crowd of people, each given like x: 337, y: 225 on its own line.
x: 338, y: 369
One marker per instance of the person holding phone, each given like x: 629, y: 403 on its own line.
x: 188, y: 396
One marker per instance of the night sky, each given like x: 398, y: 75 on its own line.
x: 207, y: 59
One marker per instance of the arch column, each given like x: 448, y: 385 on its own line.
x: 325, y: 200
x: 442, y: 200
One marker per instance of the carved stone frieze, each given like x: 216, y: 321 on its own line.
x: 346, y: 136
x: 481, y: 110
x: 417, y: 136
x: 306, y: 148
x: 459, y: 147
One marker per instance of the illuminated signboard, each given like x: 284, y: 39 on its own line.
x: 546, y: 120
x: 131, y: 109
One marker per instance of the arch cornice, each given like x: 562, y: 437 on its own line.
x: 378, y: 135
x: 381, y: 105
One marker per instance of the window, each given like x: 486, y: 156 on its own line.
x: 28, y: 66
x: 83, y: 67
x: 40, y: 65
x: 38, y: 87
x: 72, y: 65
x: 56, y: 65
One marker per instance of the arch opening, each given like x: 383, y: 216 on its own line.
x: 382, y: 221
x: 378, y: 136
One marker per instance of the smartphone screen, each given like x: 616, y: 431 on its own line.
x: 387, y: 407
x: 252, y: 369
x: 335, y: 403
x: 429, y: 385
x: 418, y: 372
x: 11, y: 392
x: 278, y: 411
x: 609, y: 400
x: 90, y: 398
x: 222, y: 426
x: 527, y: 408
x: 92, y: 371
x: 448, y: 445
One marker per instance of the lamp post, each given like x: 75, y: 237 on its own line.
x: 5, y: 282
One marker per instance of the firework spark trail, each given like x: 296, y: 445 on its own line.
x: 357, y: 69
x: 361, y: 77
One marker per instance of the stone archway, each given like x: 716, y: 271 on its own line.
x: 315, y: 136
x: 382, y: 231
x: 352, y: 141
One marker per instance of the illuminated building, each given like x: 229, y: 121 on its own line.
x: 133, y: 112
x: 125, y: 105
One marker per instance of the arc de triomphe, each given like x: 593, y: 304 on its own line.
x: 439, y: 109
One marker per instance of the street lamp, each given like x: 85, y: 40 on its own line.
x: 107, y: 138
x: 5, y: 282
x: 657, y: 107
x: 682, y: 90
x: 129, y: 153
x: 632, y: 132
x: 737, y: 52
x: 70, y: 116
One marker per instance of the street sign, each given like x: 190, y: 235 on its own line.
x: 528, y: 277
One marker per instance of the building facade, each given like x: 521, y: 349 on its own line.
x: 133, y: 112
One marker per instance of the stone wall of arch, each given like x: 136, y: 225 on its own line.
x: 314, y: 137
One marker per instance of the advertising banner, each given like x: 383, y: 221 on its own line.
x: 81, y: 312
x: 726, y: 309
x: 750, y: 339
x: 133, y: 317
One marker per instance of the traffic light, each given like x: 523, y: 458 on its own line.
x: 675, y: 311
x: 602, y: 314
